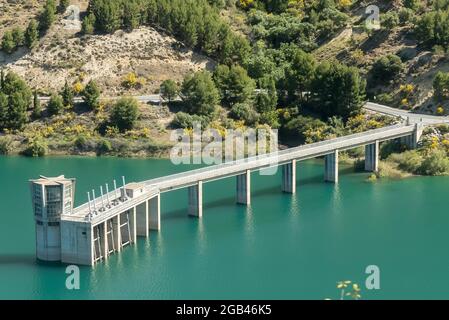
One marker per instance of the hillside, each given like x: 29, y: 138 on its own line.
x: 303, y: 67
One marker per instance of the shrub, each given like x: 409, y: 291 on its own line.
x: 83, y: 143
x: 386, y: 68
x: 124, y: 113
x: 88, y: 25
x: 5, y: 145
x: 169, y: 90
x: 436, y: 163
x: 18, y: 36
x: 410, y: 161
x: 31, y: 34
x: 390, y: 20
x: 187, y: 121
x: 55, y: 105
x: 243, y: 111
x: 104, y: 147
x: 8, y: 44
x: 37, y: 147
x: 91, y: 95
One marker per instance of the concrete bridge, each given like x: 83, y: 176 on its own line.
x: 93, y: 231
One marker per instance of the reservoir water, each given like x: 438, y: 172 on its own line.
x: 281, y: 247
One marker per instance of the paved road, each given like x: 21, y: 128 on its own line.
x: 153, y: 98
x: 413, y: 117
x: 371, y: 106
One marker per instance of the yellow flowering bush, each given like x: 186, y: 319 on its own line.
x: 440, y: 110
x: 78, y: 87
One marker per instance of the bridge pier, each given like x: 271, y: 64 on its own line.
x: 104, y: 238
x: 411, y: 141
x: 196, y: 200
x: 244, y: 188
x: 154, y: 212
x: 372, y: 157
x: 117, y: 233
x: 331, y: 167
x: 133, y: 226
x: 142, y: 220
x: 289, y: 177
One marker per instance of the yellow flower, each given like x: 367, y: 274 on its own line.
x: 78, y: 87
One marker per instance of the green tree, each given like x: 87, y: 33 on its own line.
x: 91, y: 94
x: 441, y: 86
x: 199, y: 93
x: 55, y: 105
x: 88, y: 25
x: 31, y: 34
x: 169, y: 90
x: 243, y: 111
x: 299, y: 74
x: 131, y: 14
x: 48, y: 15
x: 266, y: 98
x: 18, y: 36
x: 19, y: 100
x: 37, y: 110
x: 67, y: 95
x: 8, y: 44
x: 386, y: 68
x: 337, y: 90
x: 125, y: 113
x: 108, y: 16
x: 234, y: 84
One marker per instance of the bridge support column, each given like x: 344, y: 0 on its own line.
x: 154, y: 212
x: 331, y: 167
x: 142, y: 220
x: 196, y: 200
x: 411, y: 141
x: 289, y: 177
x: 133, y: 220
x: 104, y: 238
x: 372, y: 157
x: 244, y: 188
x: 117, y: 233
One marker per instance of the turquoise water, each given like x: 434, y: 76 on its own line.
x: 281, y: 247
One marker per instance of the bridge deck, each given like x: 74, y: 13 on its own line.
x: 237, y: 167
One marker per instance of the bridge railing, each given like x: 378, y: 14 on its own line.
x: 271, y: 159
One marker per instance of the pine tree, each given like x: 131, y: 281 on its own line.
x: 91, y: 94
x: 37, y: 110
x: 67, y: 95
x: 31, y: 34
x: 48, y: 16
x: 8, y: 44
x: 18, y: 36
x: 88, y: 25
x: 55, y: 105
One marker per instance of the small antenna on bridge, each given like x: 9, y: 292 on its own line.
x: 124, y: 191
x: 115, y: 191
x: 102, y: 199
x: 93, y: 194
x: 88, y: 199
x: 107, y: 195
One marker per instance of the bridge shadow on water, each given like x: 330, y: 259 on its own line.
x: 17, y: 259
